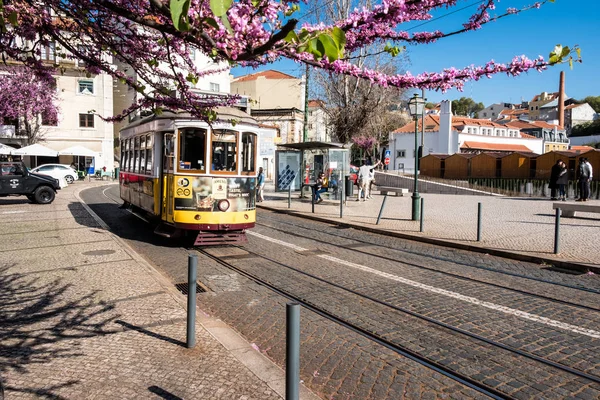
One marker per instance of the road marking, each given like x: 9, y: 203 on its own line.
x: 13, y: 212
x: 454, y: 295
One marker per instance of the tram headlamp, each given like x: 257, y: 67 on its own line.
x: 223, y: 205
x: 197, y: 217
x: 246, y: 216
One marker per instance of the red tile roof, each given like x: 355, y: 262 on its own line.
x: 432, y: 124
x: 527, y: 136
x: 269, y: 74
x: 544, y: 124
x: 494, y: 146
x: 550, y: 96
x: 581, y: 148
x: 316, y: 103
x: 572, y: 106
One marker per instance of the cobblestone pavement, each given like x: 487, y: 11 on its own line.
x: 518, y: 225
x: 84, y: 317
x: 339, y: 364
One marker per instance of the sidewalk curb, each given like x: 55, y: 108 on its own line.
x: 256, y: 362
x: 574, y: 266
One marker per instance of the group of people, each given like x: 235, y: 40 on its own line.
x: 559, y: 179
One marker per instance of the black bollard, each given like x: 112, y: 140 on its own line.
x: 290, y: 195
x: 191, y: 306
x: 421, y: 224
x: 479, y: 222
x: 312, y: 200
x: 557, y: 231
x: 292, y: 352
x: 381, y: 209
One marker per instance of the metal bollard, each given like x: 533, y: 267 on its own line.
x: 292, y: 352
x: 342, y: 194
x: 381, y: 209
x: 557, y: 232
x: 421, y: 224
x: 312, y: 199
x: 290, y: 195
x: 191, y: 306
x: 479, y: 222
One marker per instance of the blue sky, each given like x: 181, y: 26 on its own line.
x: 532, y: 33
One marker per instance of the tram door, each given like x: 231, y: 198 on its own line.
x: 167, y: 176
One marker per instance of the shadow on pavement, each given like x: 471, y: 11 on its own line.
x: 35, y: 316
x: 132, y: 327
x: 163, y: 393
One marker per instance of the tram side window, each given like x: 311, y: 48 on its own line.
x: 192, y: 149
x: 224, y: 150
x: 248, y: 151
x: 142, y: 154
x: 149, y: 155
x: 136, y: 157
x: 130, y: 158
x: 123, y: 155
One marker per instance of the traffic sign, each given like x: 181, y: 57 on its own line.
x: 387, y: 161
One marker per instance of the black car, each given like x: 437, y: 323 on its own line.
x: 16, y: 180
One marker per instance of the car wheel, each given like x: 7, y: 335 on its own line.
x: 31, y: 198
x: 44, y: 195
x: 70, y: 179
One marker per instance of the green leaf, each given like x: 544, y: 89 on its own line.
x: 553, y: 60
x: 291, y: 37
x: 330, y: 48
x: 158, y: 110
x: 220, y: 7
x: 571, y: 63
x: 179, y: 14
x: 313, y: 48
x: 211, y: 22
x: 565, y: 51
x: 225, y: 21
x: 192, y: 78
x: 12, y: 18
x: 339, y: 37
x: 578, y: 50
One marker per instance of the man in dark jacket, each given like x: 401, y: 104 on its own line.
x: 584, y: 173
x: 554, y: 174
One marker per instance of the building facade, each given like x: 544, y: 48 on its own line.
x: 446, y: 134
x: 317, y: 130
x: 539, y: 101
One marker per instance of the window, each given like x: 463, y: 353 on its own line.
x: 136, y: 155
x: 149, y: 155
x: 143, y: 154
x: 123, y: 155
x: 86, y: 120
x: 310, y: 126
x: 484, y: 114
x: 192, y: 149
x: 86, y: 87
x: 248, y: 151
x: 224, y: 151
x: 400, y: 153
x: 47, y: 52
x: 130, y: 157
x: 215, y: 87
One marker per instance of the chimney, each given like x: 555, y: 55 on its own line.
x: 561, y: 100
x: 446, y: 144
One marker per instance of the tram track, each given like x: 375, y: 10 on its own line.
x: 390, y: 344
x: 424, y: 267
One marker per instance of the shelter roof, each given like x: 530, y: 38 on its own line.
x: 312, y: 146
x: 494, y: 146
x: 463, y: 155
x: 581, y: 148
x: 522, y: 153
x: 440, y: 156
x: 269, y: 74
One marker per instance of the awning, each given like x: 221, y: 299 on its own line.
x: 35, y: 150
x: 77, y: 151
x: 6, y: 150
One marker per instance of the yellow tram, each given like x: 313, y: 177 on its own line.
x: 192, y: 177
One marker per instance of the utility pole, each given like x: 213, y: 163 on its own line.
x: 306, y: 105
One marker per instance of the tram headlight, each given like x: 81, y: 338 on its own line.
x: 197, y: 217
x: 223, y: 205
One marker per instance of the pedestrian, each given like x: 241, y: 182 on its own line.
x: 320, y: 187
x: 584, y: 174
x: 260, y: 185
x: 365, y: 174
x: 563, y: 181
x: 554, y: 173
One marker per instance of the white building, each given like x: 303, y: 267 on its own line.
x: 493, y: 112
x: 317, y: 122
x: 446, y: 134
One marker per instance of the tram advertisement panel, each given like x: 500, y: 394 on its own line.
x: 204, y: 193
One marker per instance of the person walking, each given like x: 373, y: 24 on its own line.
x: 584, y: 173
x: 365, y: 175
x: 554, y: 173
x: 260, y: 185
x: 562, y: 181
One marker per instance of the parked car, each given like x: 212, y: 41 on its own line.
x: 16, y: 180
x: 57, y: 171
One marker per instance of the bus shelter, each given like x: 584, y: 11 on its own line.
x: 299, y: 165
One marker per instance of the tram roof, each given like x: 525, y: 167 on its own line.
x: 312, y: 145
x: 224, y: 114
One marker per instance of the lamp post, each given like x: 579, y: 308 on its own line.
x: 415, y: 107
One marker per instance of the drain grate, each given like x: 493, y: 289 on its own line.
x: 183, y: 288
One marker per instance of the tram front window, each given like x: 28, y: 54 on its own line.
x: 224, y: 151
x: 192, y: 149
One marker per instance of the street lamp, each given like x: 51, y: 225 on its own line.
x: 415, y: 107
